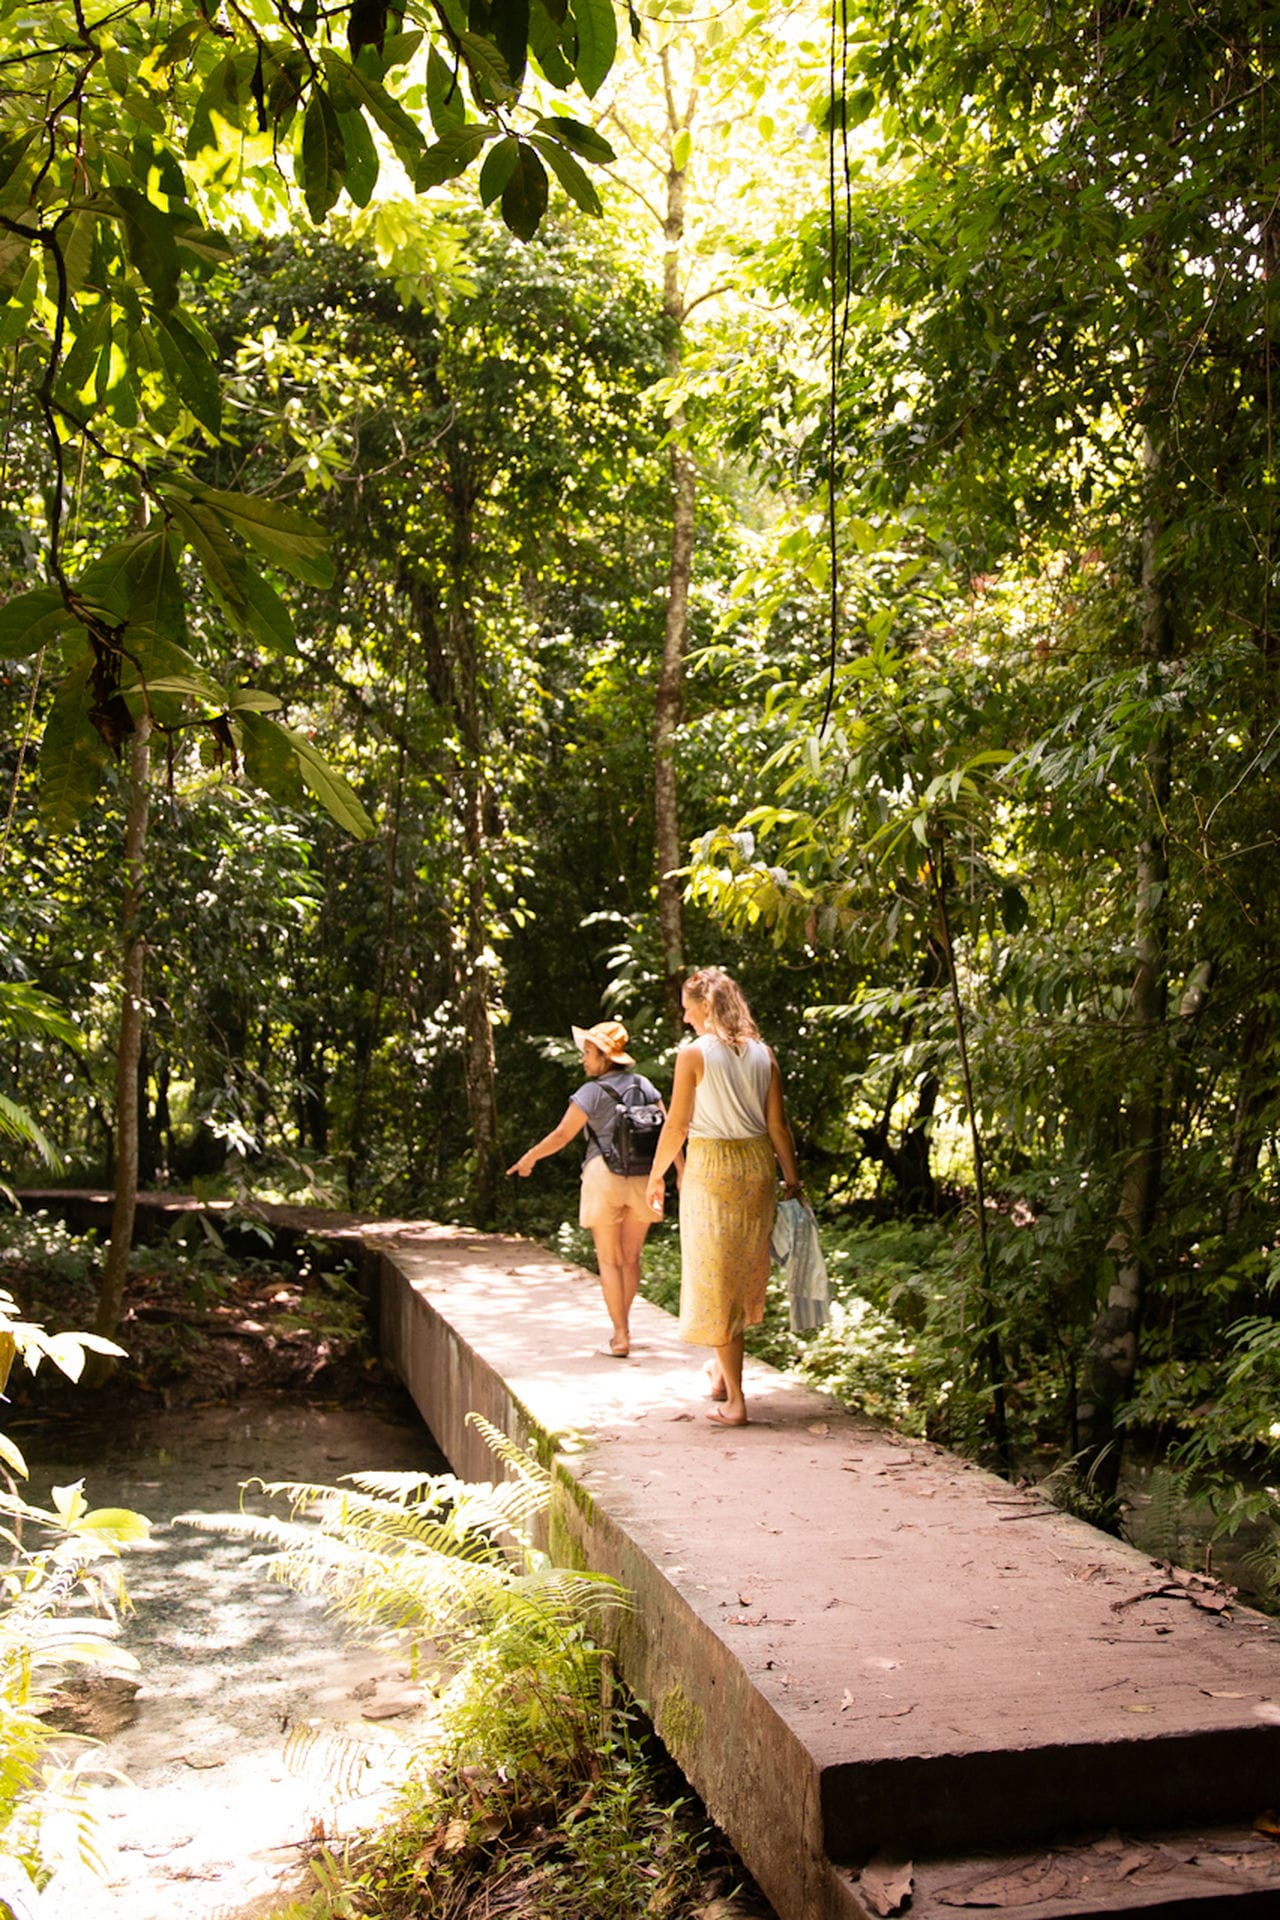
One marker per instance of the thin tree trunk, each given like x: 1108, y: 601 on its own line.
x: 476, y: 982
x: 670, y: 696
x: 128, y: 1053
x: 1111, y: 1358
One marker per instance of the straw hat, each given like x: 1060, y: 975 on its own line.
x: 611, y: 1038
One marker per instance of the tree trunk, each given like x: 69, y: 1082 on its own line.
x: 1111, y: 1358
x: 476, y: 970
x: 670, y: 697
x: 98, y: 1367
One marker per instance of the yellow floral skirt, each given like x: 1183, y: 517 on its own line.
x: 727, y: 1200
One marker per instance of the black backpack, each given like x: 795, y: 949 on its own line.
x: 635, y: 1130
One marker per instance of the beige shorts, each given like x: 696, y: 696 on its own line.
x: 610, y: 1198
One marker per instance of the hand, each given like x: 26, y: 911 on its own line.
x: 655, y: 1193
x: 792, y: 1189
x: 524, y: 1166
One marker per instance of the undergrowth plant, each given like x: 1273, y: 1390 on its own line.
x: 60, y: 1597
x: 528, y: 1784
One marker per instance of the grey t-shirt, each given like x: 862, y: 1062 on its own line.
x: 602, y: 1111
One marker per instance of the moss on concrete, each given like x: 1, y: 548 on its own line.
x: 679, y: 1720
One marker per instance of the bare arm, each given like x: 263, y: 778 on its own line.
x: 572, y: 1124
x: 784, y: 1147
x: 675, y: 1131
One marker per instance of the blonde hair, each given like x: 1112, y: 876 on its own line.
x: 728, y: 1015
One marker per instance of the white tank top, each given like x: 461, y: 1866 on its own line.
x: 730, y: 1100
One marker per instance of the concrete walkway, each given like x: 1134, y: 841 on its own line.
x: 862, y: 1651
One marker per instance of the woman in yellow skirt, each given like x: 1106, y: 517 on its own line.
x: 726, y: 1102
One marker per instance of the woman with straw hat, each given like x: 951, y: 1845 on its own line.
x: 614, y: 1206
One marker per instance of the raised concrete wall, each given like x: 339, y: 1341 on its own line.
x: 842, y: 1640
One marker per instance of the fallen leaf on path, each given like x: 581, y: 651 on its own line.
x: 743, y: 1620
x: 885, y: 1883
x: 819, y: 1426
x: 847, y: 1702
x: 1025, y: 1887
x: 1214, y: 1693
x: 201, y: 1762
x: 1132, y: 1707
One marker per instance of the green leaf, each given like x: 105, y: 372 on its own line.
x: 362, y: 157
x: 269, y: 759
x: 30, y: 621
x: 335, y: 794
x: 597, y: 42
x: 291, y: 540
x: 506, y: 23
x: 151, y: 244
x: 524, y: 200
x: 222, y: 562
x: 270, y: 621
x: 73, y: 755
x: 194, y: 376
x: 681, y: 149
x: 569, y: 174
x: 445, y: 103
x: 500, y: 163
x: 322, y: 155
x: 13, y: 152
x: 116, y: 1525
x: 584, y: 140
x: 80, y: 364
x: 547, y: 45
x: 403, y: 133
x: 451, y: 155
x: 490, y: 79
x: 165, y: 667
x: 17, y: 314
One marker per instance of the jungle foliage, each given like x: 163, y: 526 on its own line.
x: 992, y: 422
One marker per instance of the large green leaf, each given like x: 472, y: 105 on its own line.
x: 269, y: 759
x: 524, y: 198
x: 166, y: 667
x: 597, y: 42
x: 445, y: 103
x: 80, y: 366
x: 270, y: 621
x: 73, y: 755
x: 549, y: 44
x: 30, y: 621
x: 336, y: 795
x: 192, y: 372
x: 364, y: 91
x: 151, y: 244
x: 583, y: 140
x: 506, y: 23
x: 322, y: 155
x: 451, y: 155
x: 488, y: 69
x: 499, y: 165
x: 289, y: 539
x: 568, y: 173
x: 363, y: 165
x: 222, y: 561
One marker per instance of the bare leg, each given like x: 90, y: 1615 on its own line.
x: 618, y: 1258
x: 734, y: 1411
